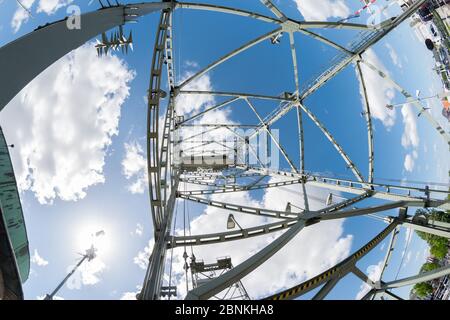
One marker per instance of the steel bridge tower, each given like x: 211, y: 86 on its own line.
x: 172, y: 163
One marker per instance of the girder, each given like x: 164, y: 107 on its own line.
x: 205, y: 239
x: 213, y: 176
x: 277, y: 12
x: 336, y: 145
x: 164, y: 177
x: 423, y: 277
x: 216, y: 107
x: 337, y: 271
x: 420, y: 108
x: 240, y: 95
x: 59, y: 39
x: 381, y: 191
x: 326, y: 41
x: 218, y: 284
x: 240, y: 208
x: 229, y: 56
x: 374, y: 36
x: 153, y: 143
x: 234, y: 188
x: 390, y: 251
x: 368, y: 116
x: 275, y: 140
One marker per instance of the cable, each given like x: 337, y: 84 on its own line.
x: 25, y: 8
x: 404, y: 253
x: 185, y: 256
x: 171, y: 254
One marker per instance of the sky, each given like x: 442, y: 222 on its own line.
x: 79, y: 132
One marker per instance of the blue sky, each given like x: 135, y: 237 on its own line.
x: 79, y: 153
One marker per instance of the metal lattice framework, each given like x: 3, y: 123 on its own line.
x: 163, y: 142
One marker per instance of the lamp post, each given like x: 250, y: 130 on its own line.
x: 89, y: 255
x: 330, y: 198
x: 418, y: 99
x: 231, y: 223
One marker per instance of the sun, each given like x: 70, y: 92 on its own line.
x: 90, y: 234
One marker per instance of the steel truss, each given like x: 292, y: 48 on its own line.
x: 165, y: 174
x: 163, y: 144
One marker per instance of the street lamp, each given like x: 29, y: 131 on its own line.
x: 89, y: 255
x: 418, y: 99
x: 231, y: 223
x: 289, y: 207
x: 329, y: 201
x: 331, y: 197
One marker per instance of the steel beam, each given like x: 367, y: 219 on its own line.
x: 318, y: 82
x: 205, y: 239
x: 239, y: 208
x: 227, y: 189
x: 423, y: 277
x: 51, y: 42
x: 216, y: 285
x: 228, y: 56
x: 368, y: 117
x: 277, y: 143
x: 326, y: 289
x: 381, y: 191
x: 338, y: 271
x: 420, y: 108
x: 240, y: 95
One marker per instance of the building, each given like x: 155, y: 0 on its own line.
x: 14, y: 251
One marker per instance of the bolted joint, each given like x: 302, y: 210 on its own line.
x: 312, y: 221
x: 175, y: 91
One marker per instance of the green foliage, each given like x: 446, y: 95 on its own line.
x: 438, y: 245
x: 429, y: 266
x: 439, y: 251
x: 423, y: 289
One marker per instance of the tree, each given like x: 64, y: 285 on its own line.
x: 423, y: 289
x: 439, y: 250
x: 438, y: 245
x: 429, y: 266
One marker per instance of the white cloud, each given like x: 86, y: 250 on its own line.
x: 131, y: 295
x: 380, y: 92
x: 134, y: 163
x: 38, y: 260
x: 374, y: 274
x: 410, y: 137
x: 409, y: 163
x: 68, y: 116
x: 134, y: 166
x: 139, y: 229
x: 394, y: 56
x: 321, y: 10
x: 186, y: 103
x: 408, y: 257
x: 88, y: 274
x: 316, y: 248
x: 21, y: 15
x: 143, y: 256
x: 51, y: 6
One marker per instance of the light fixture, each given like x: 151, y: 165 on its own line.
x: 288, y: 207
x: 231, y: 223
x: 330, y: 199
